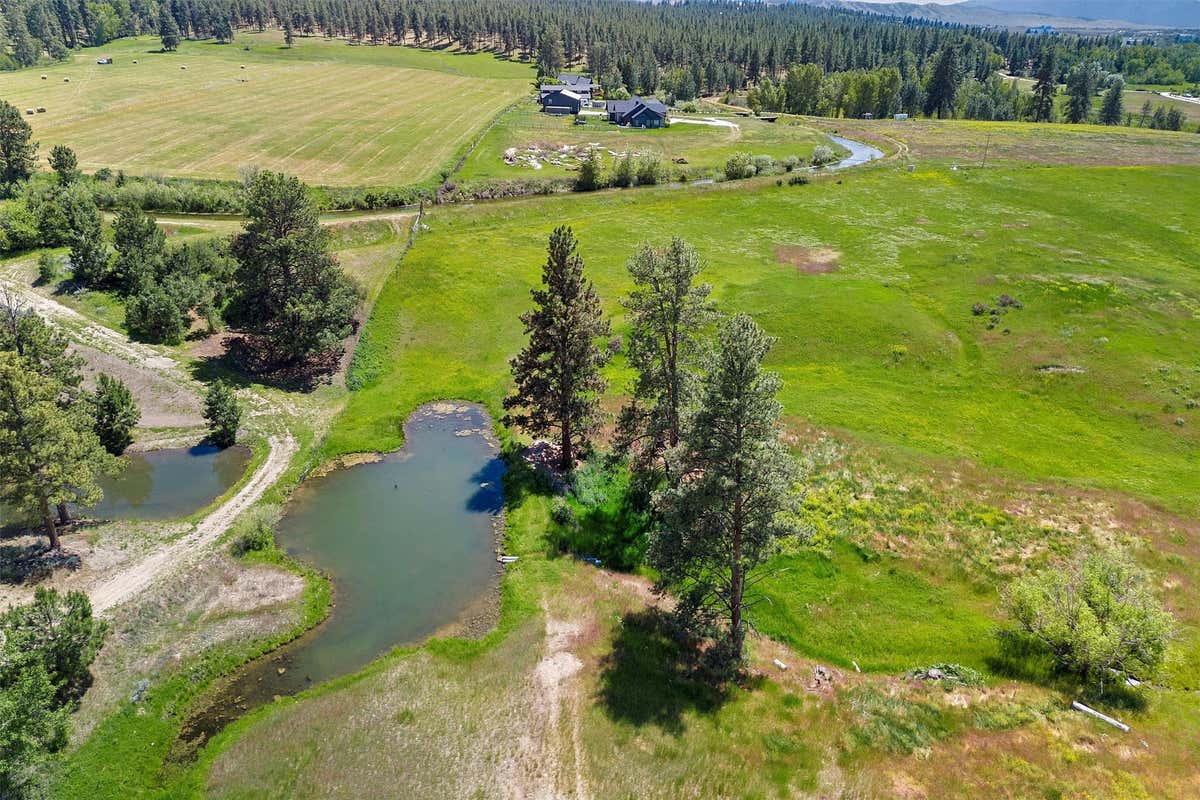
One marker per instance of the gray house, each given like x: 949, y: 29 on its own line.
x: 637, y: 112
x: 560, y: 100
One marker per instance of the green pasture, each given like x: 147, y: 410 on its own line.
x: 332, y: 113
x: 869, y: 282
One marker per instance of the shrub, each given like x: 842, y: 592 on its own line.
x: 589, y: 173
x: 979, y: 309
x: 624, y: 172
x: 738, y: 166
x: 255, y: 535
x: 792, y: 162
x: 822, y: 155
x: 47, y: 269
x: 153, y: 316
x: 798, y: 180
x: 1095, y: 617
x: 763, y: 164
x: 649, y: 171
x: 603, y: 516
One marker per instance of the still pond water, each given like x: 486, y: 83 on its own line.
x: 164, y: 484
x: 408, y: 543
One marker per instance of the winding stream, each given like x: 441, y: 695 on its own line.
x: 409, y: 544
x: 860, y: 153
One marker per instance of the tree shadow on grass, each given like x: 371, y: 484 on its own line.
x: 1023, y: 659
x: 33, y: 563
x: 652, y: 678
x: 245, y: 362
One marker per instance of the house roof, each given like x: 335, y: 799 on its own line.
x: 634, y: 106
x: 562, y: 90
x: 571, y: 79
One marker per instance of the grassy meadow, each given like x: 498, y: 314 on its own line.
x: 330, y: 113
x: 701, y: 147
x: 869, y: 283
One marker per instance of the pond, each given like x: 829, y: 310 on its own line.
x: 860, y: 153
x: 409, y: 544
x: 164, y: 484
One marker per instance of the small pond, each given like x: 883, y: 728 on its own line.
x: 409, y: 544
x: 164, y: 484
x: 860, y: 153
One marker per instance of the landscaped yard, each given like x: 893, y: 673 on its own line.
x: 332, y: 113
x: 527, y: 136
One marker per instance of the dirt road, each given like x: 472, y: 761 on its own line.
x: 184, y: 551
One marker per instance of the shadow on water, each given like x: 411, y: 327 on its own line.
x: 167, y: 484
x: 409, y: 545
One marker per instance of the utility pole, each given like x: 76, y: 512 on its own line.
x: 986, y: 146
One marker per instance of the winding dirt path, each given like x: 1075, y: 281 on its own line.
x: 187, y: 549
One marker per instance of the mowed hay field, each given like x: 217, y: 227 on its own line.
x: 331, y: 113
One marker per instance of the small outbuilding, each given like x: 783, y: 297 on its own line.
x: 900, y: 117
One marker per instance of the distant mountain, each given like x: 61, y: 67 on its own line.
x: 1164, y: 13
x: 978, y: 12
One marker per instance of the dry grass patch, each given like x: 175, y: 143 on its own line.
x: 808, y: 260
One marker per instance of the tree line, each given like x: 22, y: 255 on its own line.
x: 718, y: 46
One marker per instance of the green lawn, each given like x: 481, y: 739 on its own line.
x: 705, y: 148
x: 1091, y: 383
x: 332, y: 113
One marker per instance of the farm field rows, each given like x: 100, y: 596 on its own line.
x: 523, y: 130
x: 331, y: 114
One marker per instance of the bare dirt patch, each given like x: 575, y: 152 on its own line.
x: 164, y: 403
x: 808, y: 260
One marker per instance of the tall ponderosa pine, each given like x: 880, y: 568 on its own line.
x: 557, y: 374
x: 721, y: 521
x: 18, y: 154
x: 942, y: 90
x: 551, y: 58
x: 668, y: 311
x: 49, y: 455
x: 289, y: 289
x: 64, y: 163
x: 1112, y: 109
x: 89, y: 254
x: 1044, y: 88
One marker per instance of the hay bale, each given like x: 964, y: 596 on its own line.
x: 135, y: 61
x: 29, y: 111
x: 66, y: 80
x: 183, y: 66
x: 242, y: 67
x: 44, y: 77
x: 41, y: 109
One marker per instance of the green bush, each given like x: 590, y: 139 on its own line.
x: 822, y: 155
x: 255, y: 535
x: 602, y: 517
x: 738, y: 166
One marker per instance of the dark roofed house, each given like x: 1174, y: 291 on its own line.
x: 580, y: 84
x: 637, y: 112
x: 560, y: 100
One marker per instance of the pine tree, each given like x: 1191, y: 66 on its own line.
x: 668, y: 311
x: 1081, y: 85
x: 290, y: 291
x: 64, y: 163
x: 141, y: 248
x: 168, y: 30
x: 48, y: 454
x: 115, y: 413
x: 89, y: 252
x: 223, y: 413
x: 942, y: 90
x: 723, y: 519
x: 550, y: 53
x: 1044, y: 88
x: 18, y: 155
x: 557, y: 374
x: 1112, y: 109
